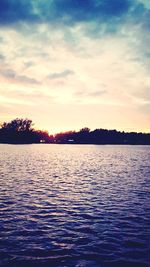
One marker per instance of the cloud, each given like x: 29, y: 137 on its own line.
x: 79, y: 10
x: 24, y: 97
x: 87, y: 94
x: 2, y: 58
x: 11, y: 74
x: 145, y: 108
x: 97, y: 93
x: 144, y: 94
x: 62, y: 74
x: 90, y: 18
x: 92, y: 52
x: 23, y: 94
x: 94, y: 17
x: 64, y: 12
x: 15, y: 101
x: 12, y: 11
x: 29, y: 64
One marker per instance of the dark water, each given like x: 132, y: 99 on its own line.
x: 74, y: 205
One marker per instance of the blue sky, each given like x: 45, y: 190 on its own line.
x: 67, y: 64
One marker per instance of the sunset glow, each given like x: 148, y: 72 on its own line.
x: 70, y: 64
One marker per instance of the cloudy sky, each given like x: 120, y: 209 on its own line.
x: 67, y: 64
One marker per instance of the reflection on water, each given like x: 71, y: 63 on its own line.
x: 74, y: 205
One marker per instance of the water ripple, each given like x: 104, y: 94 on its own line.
x: 78, y: 206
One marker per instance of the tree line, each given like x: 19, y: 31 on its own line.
x: 21, y: 131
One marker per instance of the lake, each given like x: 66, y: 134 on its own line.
x: 74, y: 205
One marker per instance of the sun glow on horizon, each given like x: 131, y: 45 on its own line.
x: 65, y: 72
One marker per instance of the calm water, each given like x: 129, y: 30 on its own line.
x: 74, y: 205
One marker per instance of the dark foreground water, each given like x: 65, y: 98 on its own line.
x: 74, y: 205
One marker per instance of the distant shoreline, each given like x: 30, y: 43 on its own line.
x: 83, y: 144
x: 21, y: 131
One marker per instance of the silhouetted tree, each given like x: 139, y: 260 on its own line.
x: 102, y: 136
x: 85, y: 130
x: 20, y: 131
x: 18, y: 125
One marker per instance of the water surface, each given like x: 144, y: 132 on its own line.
x: 74, y: 205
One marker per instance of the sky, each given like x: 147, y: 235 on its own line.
x: 69, y: 64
